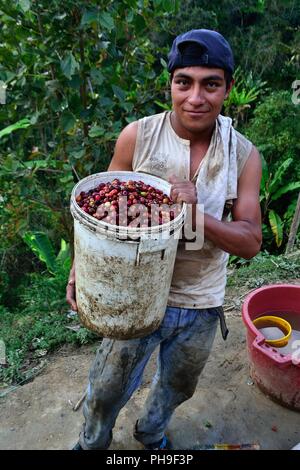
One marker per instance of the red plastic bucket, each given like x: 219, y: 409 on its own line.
x: 276, y: 374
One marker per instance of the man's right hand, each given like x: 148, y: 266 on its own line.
x: 71, y: 296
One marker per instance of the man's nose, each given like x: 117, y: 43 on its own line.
x: 196, y: 97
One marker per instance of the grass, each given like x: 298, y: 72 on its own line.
x: 264, y: 269
x: 37, y: 325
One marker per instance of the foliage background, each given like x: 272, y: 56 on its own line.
x: 76, y: 73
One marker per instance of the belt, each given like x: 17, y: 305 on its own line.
x: 223, y: 326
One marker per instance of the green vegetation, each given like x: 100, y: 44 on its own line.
x: 76, y: 73
x: 38, y: 321
x: 264, y: 269
x: 275, y: 130
x: 38, y: 327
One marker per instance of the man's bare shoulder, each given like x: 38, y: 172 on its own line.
x: 129, y: 132
x: 254, y: 159
x: 244, y: 148
x: 124, y: 148
x: 126, y: 143
x: 250, y: 177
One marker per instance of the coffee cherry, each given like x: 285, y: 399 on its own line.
x: 103, y: 203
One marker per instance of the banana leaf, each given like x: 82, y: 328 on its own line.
x: 42, y: 247
x: 22, y: 124
x: 276, y: 227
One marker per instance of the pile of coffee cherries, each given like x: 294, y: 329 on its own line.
x: 128, y: 203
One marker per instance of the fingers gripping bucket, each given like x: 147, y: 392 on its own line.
x: 122, y: 285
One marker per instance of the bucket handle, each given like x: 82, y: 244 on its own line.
x: 139, y: 253
x: 261, y: 346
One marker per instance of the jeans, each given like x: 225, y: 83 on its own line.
x: 185, y: 337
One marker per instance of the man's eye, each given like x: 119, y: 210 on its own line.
x: 182, y: 81
x: 212, y: 85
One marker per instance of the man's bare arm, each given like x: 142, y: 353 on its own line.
x: 70, y: 289
x: 241, y: 236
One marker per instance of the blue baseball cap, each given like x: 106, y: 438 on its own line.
x: 201, y: 47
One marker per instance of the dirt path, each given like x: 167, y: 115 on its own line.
x: 226, y: 408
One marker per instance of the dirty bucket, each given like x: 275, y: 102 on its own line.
x: 122, y: 285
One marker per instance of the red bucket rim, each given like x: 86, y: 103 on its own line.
x: 248, y: 321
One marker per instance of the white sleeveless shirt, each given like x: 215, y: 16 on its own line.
x: 199, y: 276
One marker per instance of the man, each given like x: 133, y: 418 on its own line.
x: 208, y: 162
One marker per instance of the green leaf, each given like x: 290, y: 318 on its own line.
x: 286, y: 189
x: 276, y: 227
x: 66, y: 179
x: 130, y: 119
x: 168, y: 5
x: 69, y: 65
x: 163, y: 63
x: 41, y: 246
x: 39, y: 164
x: 132, y: 3
x: 118, y: 92
x: 163, y: 105
x: 276, y: 180
x: 34, y: 118
x: 68, y: 121
x: 130, y: 16
x: 64, y: 252
x: 7, y: 75
x: 264, y: 190
x: 127, y: 106
x: 25, y: 5
x: 88, y: 17
x: 96, y: 131
x: 106, y: 20
x: 22, y: 124
x: 75, y: 81
x: 261, y: 6
x: 139, y: 23
x: 52, y: 85
x: 265, y: 171
x: 97, y: 77
x: 78, y: 153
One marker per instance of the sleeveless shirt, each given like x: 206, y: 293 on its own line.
x: 199, y: 276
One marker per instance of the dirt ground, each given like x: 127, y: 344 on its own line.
x: 226, y: 408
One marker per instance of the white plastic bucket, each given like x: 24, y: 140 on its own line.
x: 122, y: 285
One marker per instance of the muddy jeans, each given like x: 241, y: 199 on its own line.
x: 185, y: 338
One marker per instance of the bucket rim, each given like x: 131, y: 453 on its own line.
x: 104, y: 227
x: 259, y: 339
x: 254, y: 292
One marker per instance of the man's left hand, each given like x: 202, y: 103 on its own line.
x: 183, y: 191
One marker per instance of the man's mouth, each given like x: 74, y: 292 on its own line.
x: 195, y: 113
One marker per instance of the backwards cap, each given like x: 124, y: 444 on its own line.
x: 201, y: 47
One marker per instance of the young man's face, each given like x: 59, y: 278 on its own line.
x: 198, y: 94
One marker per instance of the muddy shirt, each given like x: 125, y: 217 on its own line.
x: 199, y: 276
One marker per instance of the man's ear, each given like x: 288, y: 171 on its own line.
x: 229, y: 88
